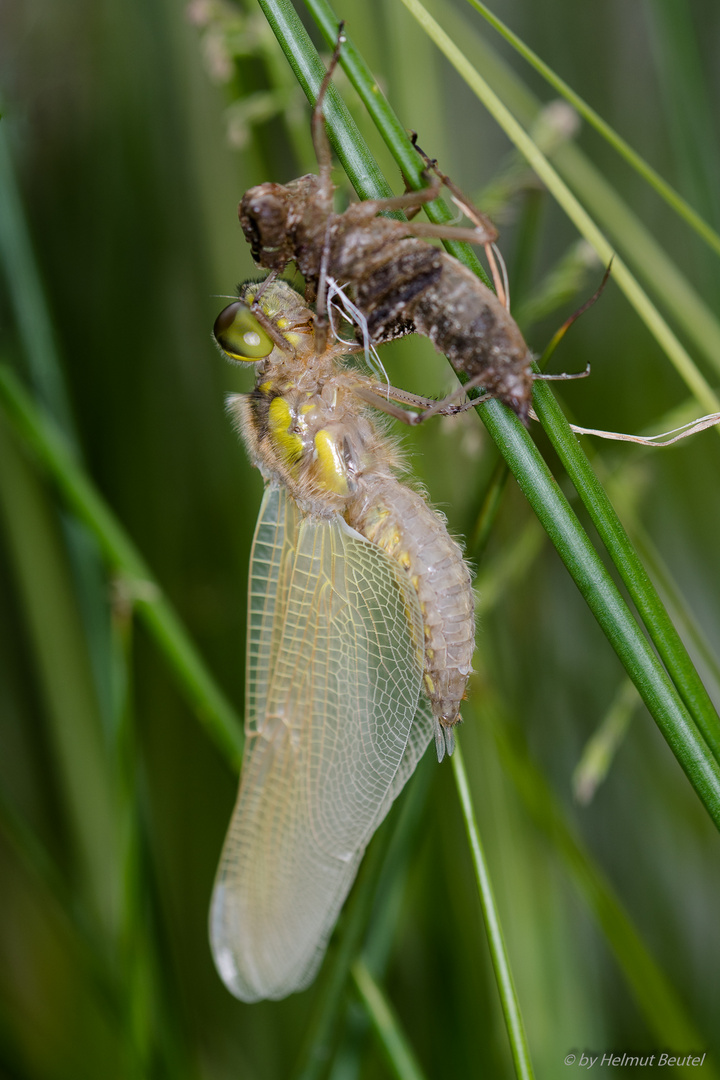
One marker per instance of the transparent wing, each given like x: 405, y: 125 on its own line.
x: 334, y: 678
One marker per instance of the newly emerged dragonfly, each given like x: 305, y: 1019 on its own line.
x: 360, y: 641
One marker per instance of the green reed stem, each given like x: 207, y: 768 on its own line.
x: 40, y: 433
x: 491, y: 916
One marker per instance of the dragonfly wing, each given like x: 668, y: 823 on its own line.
x: 422, y: 731
x: 335, y: 668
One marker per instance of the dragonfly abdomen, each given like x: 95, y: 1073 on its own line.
x: 399, y: 520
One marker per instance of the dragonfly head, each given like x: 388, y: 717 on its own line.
x: 239, y: 334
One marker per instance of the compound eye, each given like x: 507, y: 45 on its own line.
x: 240, y: 335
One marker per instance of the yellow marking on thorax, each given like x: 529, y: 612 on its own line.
x: 280, y: 421
x: 331, y: 467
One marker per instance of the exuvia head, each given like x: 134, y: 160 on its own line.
x: 271, y: 213
x: 263, y: 215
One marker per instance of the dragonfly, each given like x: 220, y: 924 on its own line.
x: 360, y: 641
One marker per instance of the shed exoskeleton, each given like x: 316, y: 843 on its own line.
x: 397, y: 281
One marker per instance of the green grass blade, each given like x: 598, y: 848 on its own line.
x: 387, y: 1027
x: 42, y: 361
x: 642, y: 250
x: 50, y: 446
x: 498, y: 951
x: 642, y: 167
x: 86, y: 936
x: 638, y: 245
x: 600, y: 749
x: 28, y: 297
x: 392, y: 131
x: 652, y: 989
x: 44, y: 583
x: 688, y: 99
x: 604, y: 600
x: 647, y: 311
x: 644, y: 595
x: 97, y: 960
x: 309, y: 71
x: 677, y: 602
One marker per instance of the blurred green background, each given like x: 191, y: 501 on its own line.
x: 130, y: 130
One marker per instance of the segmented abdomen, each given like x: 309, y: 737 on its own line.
x: 400, y: 521
x: 402, y: 284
